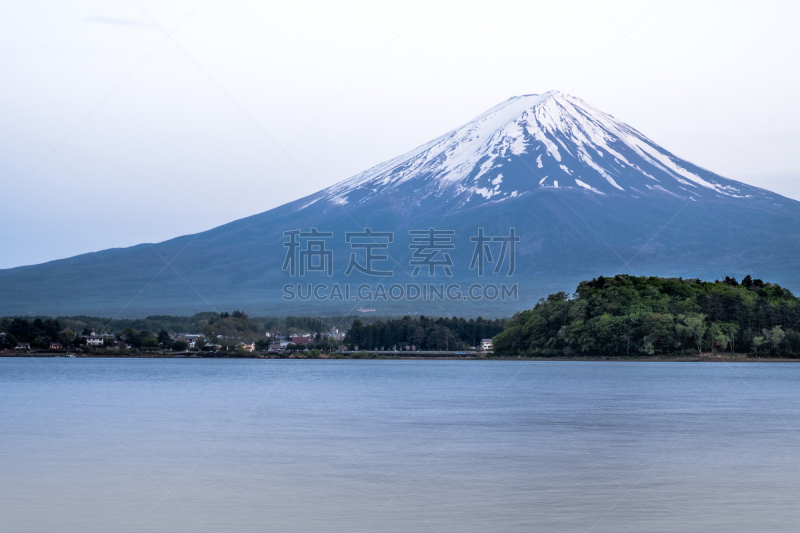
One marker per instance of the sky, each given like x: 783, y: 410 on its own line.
x: 124, y: 122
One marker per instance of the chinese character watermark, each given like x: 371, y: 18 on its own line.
x: 483, y: 252
x: 368, y: 241
x: 315, y: 257
x: 428, y: 246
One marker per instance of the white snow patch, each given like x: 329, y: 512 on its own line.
x: 485, y: 167
x: 538, y: 134
x: 588, y: 187
x: 487, y: 193
x: 589, y: 161
x: 565, y: 169
x: 539, y: 161
x: 662, y: 189
x: 498, y: 179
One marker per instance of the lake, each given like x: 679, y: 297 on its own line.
x: 173, y: 445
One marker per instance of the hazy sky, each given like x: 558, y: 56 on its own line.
x: 168, y: 118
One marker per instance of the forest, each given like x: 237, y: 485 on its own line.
x: 423, y: 333
x: 645, y: 316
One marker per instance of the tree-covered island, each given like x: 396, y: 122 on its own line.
x: 650, y: 316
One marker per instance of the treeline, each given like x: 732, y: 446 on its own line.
x: 38, y: 332
x: 423, y: 333
x: 641, y: 316
x: 227, y: 331
x: 195, y: 323
x: 153, y: 323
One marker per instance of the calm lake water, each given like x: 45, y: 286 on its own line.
x: 432, y: 446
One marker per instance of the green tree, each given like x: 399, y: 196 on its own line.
x: 773, y: 336
x: 149, y: 342
x: 758, y: 342
x: 730, y: 331
x: 66, y: 337
x: 164, y: 338
x: 718, y: 337
x: 695, y: 326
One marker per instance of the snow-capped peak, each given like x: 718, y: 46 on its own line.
x: 530, y: 143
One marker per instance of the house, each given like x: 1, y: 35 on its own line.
x: 486, y: 345
x: 305, y: 339
x: 23, y: 346
x: 335, y: 334
x: 93, y: 340
x: 249, y: 347
x: 189, y: 338
x: 55, y: 346
x: 277, y: 346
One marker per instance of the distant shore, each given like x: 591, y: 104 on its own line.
x: 702, y: 358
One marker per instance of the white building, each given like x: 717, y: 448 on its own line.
x: 486, y: 345
x: 190, y: 338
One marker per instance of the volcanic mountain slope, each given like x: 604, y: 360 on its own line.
x: 533, y: 142
x: 586, y: 194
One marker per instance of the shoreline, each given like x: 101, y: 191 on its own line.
x: 704, y: 358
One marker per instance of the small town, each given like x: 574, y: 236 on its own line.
x: 230, y: 335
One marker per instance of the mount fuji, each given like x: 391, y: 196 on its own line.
x: 586, y: 194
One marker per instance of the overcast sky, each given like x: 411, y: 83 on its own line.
x: 123, y: 122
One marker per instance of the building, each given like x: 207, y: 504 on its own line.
x: 335, y: 334
x: 249, y: 347
x: 189, y: 338
x: 486, y: 345
x: 23, y: 346
x: 305, y: 339
x: 55, y: 346
x: 278, y: 346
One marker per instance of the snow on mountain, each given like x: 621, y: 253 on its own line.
x: 530, y: 142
